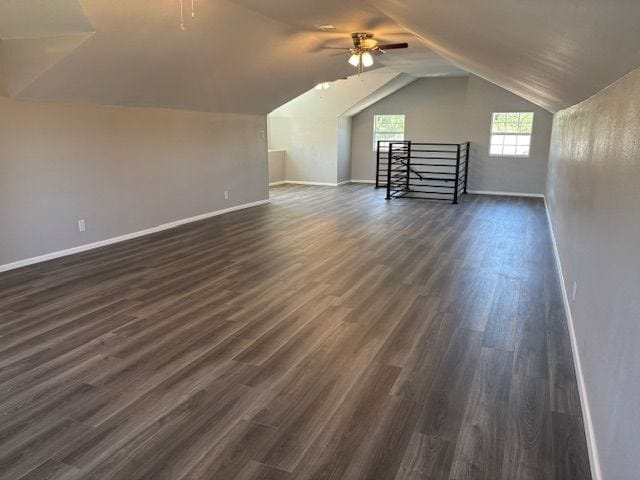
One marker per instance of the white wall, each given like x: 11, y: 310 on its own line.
x: 458, y: 109
x: 311, y: 146
x: 344, y: 149
x: 121, y: 169
x: 315, y: 128
x: 276, y: 166
x: 593, y: 197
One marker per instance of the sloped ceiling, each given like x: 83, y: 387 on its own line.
x: 41, y: 18
x: 398, y: 82
x: 27, y: 59
x: 554, y: 53
x: 250, y: 56
x: 35, y: 35
x: 234, y: 56
x: 343, y: 95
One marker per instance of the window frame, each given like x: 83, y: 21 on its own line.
x: 491, y: 134
x: 376, y: 132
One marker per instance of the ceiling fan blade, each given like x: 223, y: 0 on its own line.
x: 335, y: 48
x: 337, y: 54
x: 392, y: 46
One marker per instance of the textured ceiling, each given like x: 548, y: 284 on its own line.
x: 554, y: 53
x: 250, y: 56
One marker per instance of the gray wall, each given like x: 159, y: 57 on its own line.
x: 311, y: 146
x: 121, y: 169
x: 506, y: 174
x: 594, y: 203
x: 344, y: 149
x: 457, y: 109
x: 434, y: 111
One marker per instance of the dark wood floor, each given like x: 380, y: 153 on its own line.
x: 330, y: 334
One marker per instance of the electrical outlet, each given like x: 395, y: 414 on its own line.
x: 81, y: 225
x: 226, y: 194
x: 573, y: 292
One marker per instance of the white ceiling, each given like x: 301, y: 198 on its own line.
x: 350, y: 95
x: 250, y: 56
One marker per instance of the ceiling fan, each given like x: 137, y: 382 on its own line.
x: 364, y: 45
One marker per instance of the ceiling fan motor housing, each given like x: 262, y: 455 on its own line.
x: 360, y: 39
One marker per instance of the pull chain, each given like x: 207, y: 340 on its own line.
x: 193, y: 12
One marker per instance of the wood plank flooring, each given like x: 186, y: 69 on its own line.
x: 328, y: 335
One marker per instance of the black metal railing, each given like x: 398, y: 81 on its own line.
x: 432, y: 171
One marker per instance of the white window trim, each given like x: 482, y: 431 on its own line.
x: 375, y: 132
x: 511, y: 155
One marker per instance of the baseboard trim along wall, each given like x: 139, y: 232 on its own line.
x: 300, y: 182
x: 506, y: 194
x: 586, y: 413
x: 321, y: 184
x: 128, y: 236
x: 584, y: 401
x: 363, y: 181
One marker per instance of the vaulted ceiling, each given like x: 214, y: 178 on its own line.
x: 554, y: 53
x: 251, y: 56
x: 346, y: 96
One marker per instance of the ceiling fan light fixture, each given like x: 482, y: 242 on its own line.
x: 322, y: 86
x: 367, y: 59
x: 325, y: 27
x: 354, y: 59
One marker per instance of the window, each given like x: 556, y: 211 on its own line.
x: 387, y: 128
x: 511, y: 134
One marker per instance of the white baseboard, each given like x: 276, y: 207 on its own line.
x: 122, y: 238
x: 300, y: 182
x: 506, y: 194
x: 322, y: 184
x: 362, y: 181
x: 594, y: 460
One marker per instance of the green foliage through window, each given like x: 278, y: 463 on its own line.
x: 511, y: 133
x: 387, y: 128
